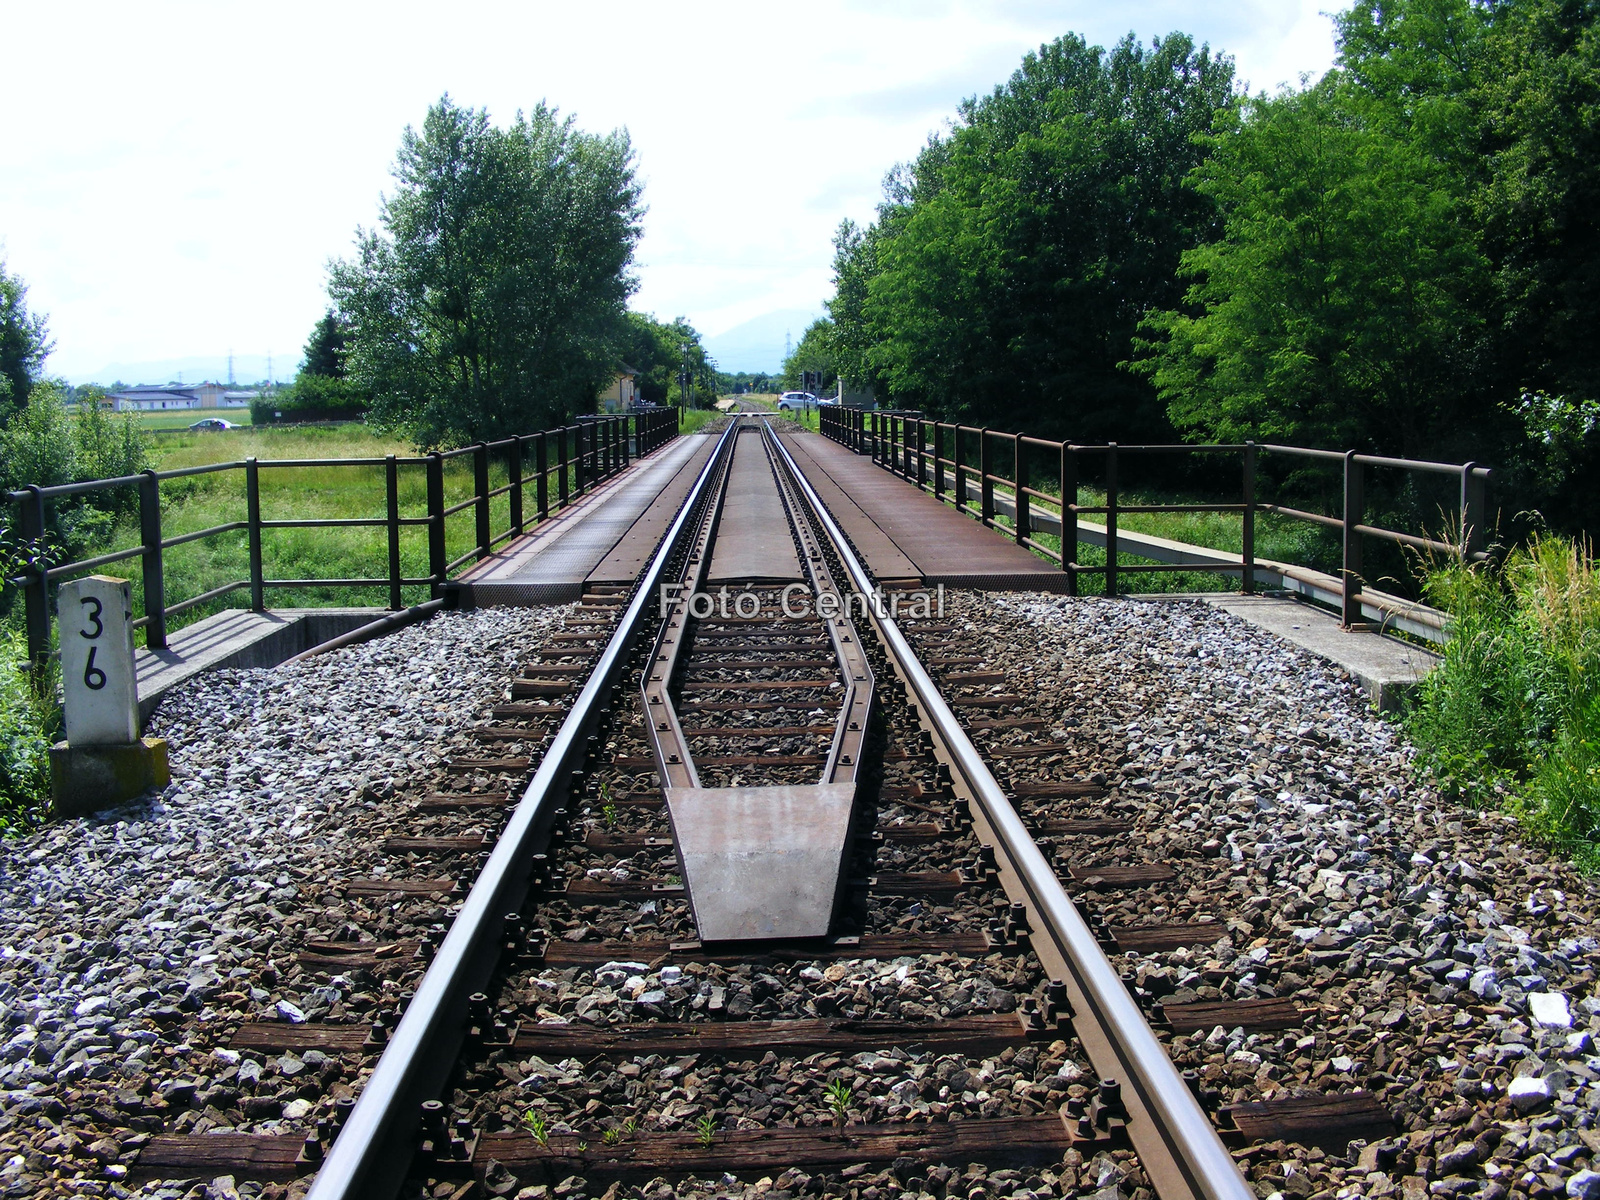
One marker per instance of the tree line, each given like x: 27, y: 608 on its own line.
x: 1399, y: 258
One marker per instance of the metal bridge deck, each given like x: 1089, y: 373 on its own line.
x: 905, y: 534
x: 753, y: 540
x: 598, y: 538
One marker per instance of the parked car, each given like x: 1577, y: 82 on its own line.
x: 790, y: 401
x: 213, y: 424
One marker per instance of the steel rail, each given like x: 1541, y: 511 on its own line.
x: 1175, y: 1141
x: 372, y: 1154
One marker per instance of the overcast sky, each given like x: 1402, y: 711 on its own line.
x: 175, y: 177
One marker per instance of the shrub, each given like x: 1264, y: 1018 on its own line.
x: 312, y: 398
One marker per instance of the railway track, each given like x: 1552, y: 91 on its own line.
x: 834, y: 947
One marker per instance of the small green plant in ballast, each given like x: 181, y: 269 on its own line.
x: 608, y: 807
x: 537, y: 1126
x: 705, y: 1131
x: 612, y: 1136
x: 838, y: 1096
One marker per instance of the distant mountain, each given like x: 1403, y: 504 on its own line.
x: 757, y: 345
x: 247, y: 368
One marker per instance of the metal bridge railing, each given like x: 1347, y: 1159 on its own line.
x: 546, y: 471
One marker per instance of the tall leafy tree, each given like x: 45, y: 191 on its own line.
x: 1012, y: 261
x: 1342, y: 305
x: 492, y: 300
x: 658, y: 351
x: 24, y: 344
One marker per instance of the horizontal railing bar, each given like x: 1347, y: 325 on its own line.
x: 265, y: 463
x: 1407, y: 539
x: 196, y: 535
x: 505, y: 537
x: 338, y: 522
x: 86, y: 565
x: 462, y: 507
x: 1159, y: 508
x: 293, y: 583
x: 1045, y: 550
x: 1301, y: 515
x: 213, y: 594
x: 456, y: 562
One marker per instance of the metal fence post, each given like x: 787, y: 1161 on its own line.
x: 1473, y: 535
x: 1019, y: 476
x: 959, y: 483
x: 986, y: 488
x: 877, y: 421
x: 922, y: 454
x: 1069, y: 516
x: 252, y: 502
x: 624, y: 431
x: 514, y: 478
x: 391, y: 489
x: 541, y: 466
x: 562, y: 495
x: 155, y: 585
x: 1354, y: 510
x: 36, y: 592
x: 938, y: 467
x: 1111, y: 519
x: 1247, y: 575
x: 480, y: 493
x: 436, y: 553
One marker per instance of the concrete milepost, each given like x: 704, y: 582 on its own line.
x: 104, y: 761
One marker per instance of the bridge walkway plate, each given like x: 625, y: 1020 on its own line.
x: 602, y: 537
x: 906, y: 535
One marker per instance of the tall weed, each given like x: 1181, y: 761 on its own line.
x: 1512, y: 714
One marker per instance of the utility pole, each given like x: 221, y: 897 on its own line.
x: 683, y: 375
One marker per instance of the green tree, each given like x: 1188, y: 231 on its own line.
x: 656, y: 351
x: 24, y: 344
x: 814, y: 353
x: 1342, y: 305
x: 491, y: 302
x: 325, y: 348
x: 1010, y: 265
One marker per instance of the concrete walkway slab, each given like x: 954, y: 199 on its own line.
x: 1388, y: 668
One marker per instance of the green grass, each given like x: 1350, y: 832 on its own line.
x: 695, y: 419
x: 1512, y: 714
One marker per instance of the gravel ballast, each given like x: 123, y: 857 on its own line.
x: 182, y: 910
x: 1443, y: 962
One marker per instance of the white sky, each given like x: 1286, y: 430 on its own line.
x: 176, y: 176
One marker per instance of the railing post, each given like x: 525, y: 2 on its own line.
x: 985, y: 484
x: 877, y: 421
x: 541, y: 462
x: 1473, y: 535
x: 1354, y: 509
x: 155, y: 580
x: 959, y: 483
x: 514, y: 477
x: 562, y: 495
x: 938, y: 467
x: 1111, y: 519
x: 480, y: 492
x: 436, y: 554
x: 623, y: 436
x: 1019, y: 476
x: 36, y: 592
x: 922, y: 454
x: 252, y: 502
x: 391, y: 488
x: 1247, y: 576
x: 1069, y: 516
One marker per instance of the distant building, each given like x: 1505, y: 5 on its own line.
x: 162, y: 397
x: 622, y: 393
